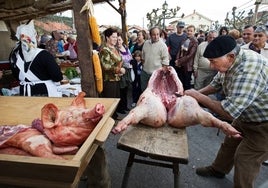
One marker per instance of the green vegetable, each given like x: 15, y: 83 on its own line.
x: 71, y: 73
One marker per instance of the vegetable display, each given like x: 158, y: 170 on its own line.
x: 71, y: 73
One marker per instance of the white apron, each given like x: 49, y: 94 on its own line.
x: 51, y: 86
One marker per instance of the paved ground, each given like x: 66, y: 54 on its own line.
x: 203, y: 146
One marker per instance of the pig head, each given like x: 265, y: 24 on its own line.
x: 71, y: 125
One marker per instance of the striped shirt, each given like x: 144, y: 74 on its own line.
x: 245, y: 86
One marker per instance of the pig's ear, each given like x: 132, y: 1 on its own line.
x: 49, y: 114
x: 79, y: 101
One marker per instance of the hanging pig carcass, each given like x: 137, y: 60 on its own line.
x: 160, y: 104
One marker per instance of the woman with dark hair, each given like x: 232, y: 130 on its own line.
x: 125, y: 80
x: 223, y: 31
x: 142, y: 36
x: 111, y: 63
x: 163, y: 35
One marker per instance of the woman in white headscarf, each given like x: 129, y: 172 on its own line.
x: 35, y: 68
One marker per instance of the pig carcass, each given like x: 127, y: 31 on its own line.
x: 57, y: 132
x: 159, y: 104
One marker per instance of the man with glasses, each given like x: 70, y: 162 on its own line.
x: 243, y: 77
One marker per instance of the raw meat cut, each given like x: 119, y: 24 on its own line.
x: 30, y: 140
x: 57, y: 132
x: 158, y: 105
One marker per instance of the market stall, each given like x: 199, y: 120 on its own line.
x: 13, y: 12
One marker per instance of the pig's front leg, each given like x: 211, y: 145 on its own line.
x: 134, y: 117
x: 149, y: 110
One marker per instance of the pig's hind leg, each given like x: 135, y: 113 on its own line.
x: 187, y: 112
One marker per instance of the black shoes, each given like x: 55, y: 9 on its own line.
x: 115, y: 116
x: 208, y: 171
x: 121, y: 111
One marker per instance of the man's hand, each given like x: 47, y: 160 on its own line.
x: 177, y: 63
x: 193, y: 93
x: 122, y: 71
x: 165, y: 68
x: 195, y: 74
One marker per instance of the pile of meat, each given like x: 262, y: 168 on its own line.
x: 59, y: 131
x: 160, y: 104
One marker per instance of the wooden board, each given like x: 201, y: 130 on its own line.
x: 104, y: 132
x: 41, y: 172
x: 165, y: 143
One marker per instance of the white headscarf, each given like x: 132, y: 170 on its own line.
x: 27, y: 35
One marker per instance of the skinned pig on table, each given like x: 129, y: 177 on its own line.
x: 59, y: 131
x: 164, y: 101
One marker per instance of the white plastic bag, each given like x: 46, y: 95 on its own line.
x: 132, y: 75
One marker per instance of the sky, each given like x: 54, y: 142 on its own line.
x: 137, y: 10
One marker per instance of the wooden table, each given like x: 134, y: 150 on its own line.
x: 166, y: 146
x: 40, y: 172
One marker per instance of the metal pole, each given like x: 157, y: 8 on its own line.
x: 164, y: 17
x: 257, y: 4
x: 164, y: 10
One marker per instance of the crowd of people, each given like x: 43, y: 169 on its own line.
x: 228, y: 63
x: 60, y: 45
x: 231, y: 64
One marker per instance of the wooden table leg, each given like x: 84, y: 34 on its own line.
x: 127, y: 170
x: 176, y: 175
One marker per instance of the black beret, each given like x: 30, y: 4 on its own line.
x: 219, y: 47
